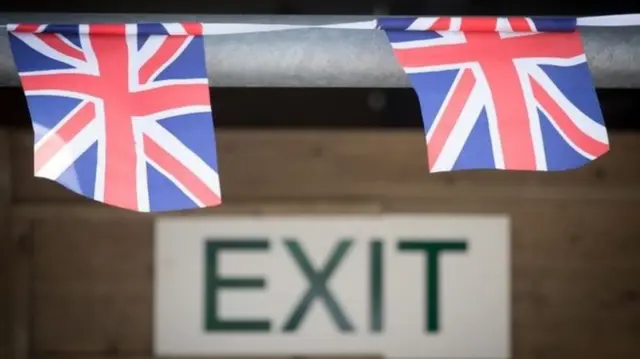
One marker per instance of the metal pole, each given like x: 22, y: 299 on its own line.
x: 327, y: 57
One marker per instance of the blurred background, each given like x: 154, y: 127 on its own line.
x: 76, y: 277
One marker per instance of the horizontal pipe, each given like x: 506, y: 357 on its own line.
x: 325, y: 57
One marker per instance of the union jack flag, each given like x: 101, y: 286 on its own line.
x: 501, y: 93
x: 121, y: 112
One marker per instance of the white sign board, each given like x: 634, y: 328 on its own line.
x: 398, y: 286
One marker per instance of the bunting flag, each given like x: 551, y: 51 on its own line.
x: 121, y: 113
x: 501, y: 93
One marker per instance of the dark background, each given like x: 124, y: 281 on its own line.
x: 347, y: 7
x: 333, y: 108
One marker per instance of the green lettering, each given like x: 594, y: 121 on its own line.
x: 375, y: 286
x: 432, y: 275
x: 317, y: 286
x: 214, y: 282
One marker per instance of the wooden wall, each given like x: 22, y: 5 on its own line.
x: 5, y: 250
x: 576, y: 238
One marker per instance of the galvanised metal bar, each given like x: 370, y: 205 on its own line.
x: 321, y: 57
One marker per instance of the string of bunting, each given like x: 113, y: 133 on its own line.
x: 121, y: 112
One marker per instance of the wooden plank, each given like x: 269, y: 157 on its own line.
x: 366, y: 165
x: 93, y: 285
x: 92, y: 210
x: 575, y: 287
x: 14, y: 267
x: 21, y: 237
x: 5, y: 249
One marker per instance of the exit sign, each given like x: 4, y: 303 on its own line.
x: 398, y: 286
